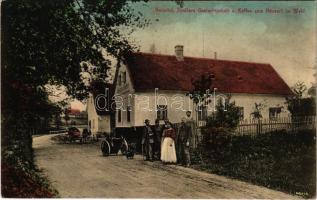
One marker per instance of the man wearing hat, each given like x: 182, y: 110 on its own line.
x: 148, y: 140
x: 158, y: 131
x: 189, y: 121
x: 183, y: 140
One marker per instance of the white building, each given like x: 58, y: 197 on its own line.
x: 100, y: 117
x: 151, y: 86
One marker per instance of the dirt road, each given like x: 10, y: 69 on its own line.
x: 80, y: 171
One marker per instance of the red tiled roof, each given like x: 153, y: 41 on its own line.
x: 151, y: 71
x: 73, y: 111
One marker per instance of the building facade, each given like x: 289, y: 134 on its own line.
x: 100, y: 117
x: 152, y: 86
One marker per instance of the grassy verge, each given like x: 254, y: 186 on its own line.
x: 278, y: 160
x: 21, y: 179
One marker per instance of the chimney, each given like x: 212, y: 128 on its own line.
x: 179, y: 52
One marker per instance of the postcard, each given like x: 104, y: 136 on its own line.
x: 158, y: 99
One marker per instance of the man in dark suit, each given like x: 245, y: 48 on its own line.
x: 148, y: 140
x: 158, y: 130
x: 183, y: 140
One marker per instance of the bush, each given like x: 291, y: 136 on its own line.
x: 227, y: 115
x: 20, y: 178
x: 277, y: 160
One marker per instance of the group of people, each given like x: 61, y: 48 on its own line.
x: 163, y: 143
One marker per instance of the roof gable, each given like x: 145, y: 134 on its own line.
x: 149, y: 71
x: 99, y: 88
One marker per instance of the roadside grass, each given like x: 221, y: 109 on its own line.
x: 21, y: 179
x: 277, y: 160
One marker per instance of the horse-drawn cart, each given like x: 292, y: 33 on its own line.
x: 112, y: 145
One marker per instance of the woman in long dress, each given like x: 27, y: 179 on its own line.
x: 168, y: 152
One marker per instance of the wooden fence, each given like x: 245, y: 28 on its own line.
x: 255, y: 126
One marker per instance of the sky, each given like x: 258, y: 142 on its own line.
x: 285, y: 40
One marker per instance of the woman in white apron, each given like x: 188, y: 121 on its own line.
x: 168, y: 151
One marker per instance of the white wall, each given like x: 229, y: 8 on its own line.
x: 122, y: 98
x: 98, y: 123
x: 104, y: 124
x: 144, y: 105
x: 247, y: 102
x: 124, y: 102
x: 124, y: 88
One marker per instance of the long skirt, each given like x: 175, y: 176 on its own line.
x: 168, y: 152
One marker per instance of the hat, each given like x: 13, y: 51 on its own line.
x: 146, y: 120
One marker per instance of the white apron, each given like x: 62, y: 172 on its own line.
x: 168, y: 152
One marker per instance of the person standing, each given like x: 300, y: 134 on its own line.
x: 158, y: 130
x: 191, y: 124
x: 168, y: 152
x: 148, y: 140
x: 183, y: 142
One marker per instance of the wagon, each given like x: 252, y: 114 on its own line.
x: 112, y: 145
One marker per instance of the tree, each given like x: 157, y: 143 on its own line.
x: 312, y: 91
x: 298, y: 105
x: 199, y: 92
x: 200, y: 88
x: 299, y: 89
x: 219, y: 128
x: 46, y: 42
x: 220, y: 123
x: 227, y: 115
x: 257, y: 111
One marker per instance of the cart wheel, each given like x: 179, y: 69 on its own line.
x: 105, y: 148
x: 124, y: 147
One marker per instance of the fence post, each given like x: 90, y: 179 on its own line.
x: 259, y: 127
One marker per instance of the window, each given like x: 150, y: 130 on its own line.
x: 161, y: 112
x: 241, y: 113
x: 128, y: 113
x: 124, y: 77
x: 202, y: 112
x: 274, y: 113
x: 119, y: 115
x: 93, y: 124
